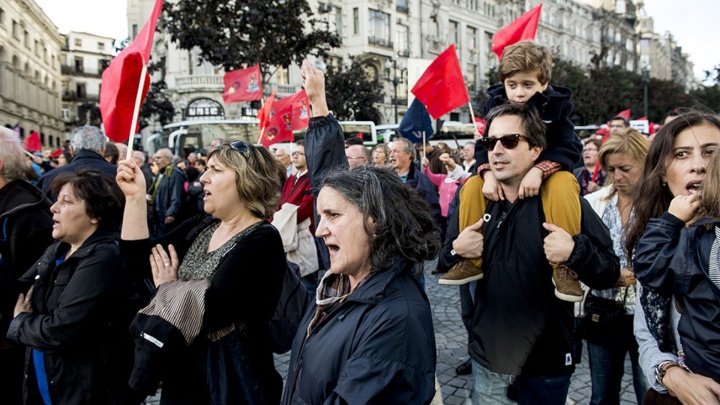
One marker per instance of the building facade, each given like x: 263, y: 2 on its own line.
x: 84, y: 57
x: 30, y: 77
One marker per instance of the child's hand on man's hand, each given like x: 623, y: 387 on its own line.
x: 491, y: 188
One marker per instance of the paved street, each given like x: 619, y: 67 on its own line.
x: 451, y: 341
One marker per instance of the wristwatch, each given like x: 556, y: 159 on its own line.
x: 661, y: 369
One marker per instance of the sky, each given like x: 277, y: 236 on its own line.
x: 690, y: 22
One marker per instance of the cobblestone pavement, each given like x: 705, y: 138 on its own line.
x: 451, y: 340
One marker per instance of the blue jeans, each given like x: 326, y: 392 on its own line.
x: 607, y: 366
x: 492, y: 388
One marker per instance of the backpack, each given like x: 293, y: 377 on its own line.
x: 291, y: 305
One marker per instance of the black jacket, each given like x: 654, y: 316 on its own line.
x: 84, y: 159
x: 555, y: 107
x: 520, y: 327
x: 376, y: 347
x: 673, y: 260
x: 80, y: 321
x: 25, y: 232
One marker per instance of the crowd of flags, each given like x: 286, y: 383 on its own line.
x: 439, y: 90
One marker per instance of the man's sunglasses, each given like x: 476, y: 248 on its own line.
x: 507, y: 141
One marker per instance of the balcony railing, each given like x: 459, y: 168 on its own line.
x: 402, y: 8
x: 196, y: 81
x: 384, y: 42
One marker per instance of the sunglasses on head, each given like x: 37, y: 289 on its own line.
x: 240, y: 146
x: 507, y: 141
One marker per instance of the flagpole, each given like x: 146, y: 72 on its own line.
x: 472, y: 116
x: 136, y: 111
x: 424, y: 146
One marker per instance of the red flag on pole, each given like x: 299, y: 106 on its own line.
x: 624, y: 113
x: 56, y: 153
x: 264, y: 112
x: 480, y: 125
x: 524, y: 27
x: 242, y: 85
x: 441, y: 88
x: 122, y: 80
x: 32, y: 142
x: 286, y: 115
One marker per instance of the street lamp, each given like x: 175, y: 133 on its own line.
x: 182, y: 103
x: 398, y: 73
x: 645, y: 69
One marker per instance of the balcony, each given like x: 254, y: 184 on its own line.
x: 74, y: 71
x: 402, y: 8
x: 199, y: 83
x: 404, y: 52
x: 284, y: 90
x: 385, y: 43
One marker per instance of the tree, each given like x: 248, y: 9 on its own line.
x: 351, y: 93
x: 235, y: 34
x: 89, y: 114
x: 157, y: 107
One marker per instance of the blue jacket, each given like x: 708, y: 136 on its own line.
x: 555, y: 107
x: 171, y: 196
x: 376, y: 347
x: 673, y: 260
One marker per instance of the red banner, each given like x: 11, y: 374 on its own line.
x: 441, y: 88
x: 524, y: 27
x: 243, y: 85
x: 286, y: 115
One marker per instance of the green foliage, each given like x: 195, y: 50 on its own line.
x: 235, y: 34
x: 351, y: 93
x: 89, y: 114
x: 157, y: 106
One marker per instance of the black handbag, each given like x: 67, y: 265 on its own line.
x: 605, y: 321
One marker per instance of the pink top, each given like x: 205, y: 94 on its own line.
x: 446, y: 191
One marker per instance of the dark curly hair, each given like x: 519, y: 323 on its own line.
x: 403, y: 226
x: 103, y: 198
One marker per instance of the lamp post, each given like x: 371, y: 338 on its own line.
x: 182, y: 103
x: 645, y: 69
x: 398, y: 73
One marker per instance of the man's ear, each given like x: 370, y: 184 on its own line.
x: 536, y: 152
x: 72, y: 150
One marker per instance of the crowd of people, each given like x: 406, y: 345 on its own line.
x: 124, y: 273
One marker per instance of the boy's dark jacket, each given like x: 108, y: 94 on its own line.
x: 563, y: 145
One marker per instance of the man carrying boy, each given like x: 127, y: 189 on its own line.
x: 525, y: 70
x: 521, y: 335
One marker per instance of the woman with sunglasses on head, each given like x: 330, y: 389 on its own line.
x: 676, y: 317
x: 227, y: 266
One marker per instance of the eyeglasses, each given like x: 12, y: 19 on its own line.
x: 240, y: 146
x: 507, y: 141
x: 356, y: 157
x: 298, y: 153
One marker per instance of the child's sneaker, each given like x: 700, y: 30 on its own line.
x: 461, y: 273
x: 567, y: 286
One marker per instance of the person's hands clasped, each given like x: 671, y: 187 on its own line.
x: 684, y: 207
x: 469, y: 243
x: 530, y: 184
x: 23, y: 303
x: 130, y: 179
x: 164, y: 264
x: 558, y: 245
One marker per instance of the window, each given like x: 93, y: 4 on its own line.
x: 78, y: 41
x: 471, y: 38
x: 472, y: 77
x: 79, y: 65
x: 402, y: 6
x: 403, y: 43
x: 453, y: 34
x: 380, y: 28
x: 356, y: 21
x: 15, y: 30
x: 36, y: 48
x: 26, y: 39
x: 282, y: 76
x: 134, y: 30
x: 2, y: 16
x: 101, y: 46
x: 81, y: 91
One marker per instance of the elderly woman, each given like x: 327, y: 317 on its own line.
x: 621, y: 157
x: 381, y: 155
x: 229, y: 266
x: 74, y: 318
x: 675, y: 167
x: 369, y: 338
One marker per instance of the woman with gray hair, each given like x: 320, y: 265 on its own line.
x: 369, y: 338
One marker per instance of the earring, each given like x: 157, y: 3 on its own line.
x: 664, y: 184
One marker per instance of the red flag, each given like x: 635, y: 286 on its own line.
x: 242, y: 85
x: 524, y: 27
x: 121, y: 80
x: 286, y: 115
x: 264, y: 112
x: 441, y: 88
x: 56, y: 153
x: 624, y: 113
x: 32, y: 142
x: 480, y: 125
